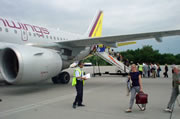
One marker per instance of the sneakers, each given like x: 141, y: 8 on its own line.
x: 128, y: 111
x: 74, y: 106
x: 143, y: 109
x: 167, y: 110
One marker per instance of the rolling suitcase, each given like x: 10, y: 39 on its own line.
x: 141, y: 98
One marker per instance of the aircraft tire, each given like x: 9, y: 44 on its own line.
x: 62, y: 78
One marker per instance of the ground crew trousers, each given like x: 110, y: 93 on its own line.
x: 174, y: 94
x: 79, y: 96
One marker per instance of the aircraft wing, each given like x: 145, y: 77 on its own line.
x: 112, y: 40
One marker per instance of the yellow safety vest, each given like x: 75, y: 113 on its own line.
x: 140, y: 68
x: 74, y: 81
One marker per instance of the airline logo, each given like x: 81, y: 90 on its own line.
x: 17, y: 25
x: 97, y: 27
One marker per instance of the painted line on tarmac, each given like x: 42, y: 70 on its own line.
x: 40, y: 104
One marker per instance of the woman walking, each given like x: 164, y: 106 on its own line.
x: 135, y: 77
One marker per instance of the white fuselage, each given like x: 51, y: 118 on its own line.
x: 27, y: 34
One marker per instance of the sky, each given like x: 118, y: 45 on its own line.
x: 120, y: 17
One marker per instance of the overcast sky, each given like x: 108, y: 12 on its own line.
x: 120, y: 17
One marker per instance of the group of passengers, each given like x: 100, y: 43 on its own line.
x: 152, y: 70
x: 136, y: 87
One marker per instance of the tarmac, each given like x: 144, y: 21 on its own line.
x: 104, y: 97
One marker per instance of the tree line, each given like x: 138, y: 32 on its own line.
x: 145, y: 54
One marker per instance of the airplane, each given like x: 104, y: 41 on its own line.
x: 32, y: 53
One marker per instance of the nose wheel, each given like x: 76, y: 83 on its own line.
x: 62, y: 78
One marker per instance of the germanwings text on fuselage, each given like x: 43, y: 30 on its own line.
x: 16, y: 25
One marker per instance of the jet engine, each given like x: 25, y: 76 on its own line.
x: 29, y: 64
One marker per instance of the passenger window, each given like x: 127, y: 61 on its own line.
x: 24, y: 32
x: 15, y: 31
x: 57, y: 38
x: 50, y: 37
x: 34, y: 34
x: 29, y: 33
x: 6, y: 29
x: 47, y: 36
x: 54, y: 38
x: 0, y: 29
x: 38, y: 35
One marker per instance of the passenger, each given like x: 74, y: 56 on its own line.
x: 158, y: 70
x: 118, y: 57
x: 172, y: 68
x: 109, y: 51
x: 112, y: 52
x: 153, y: 70
x: 145, y: 70
x: 127, y: 62
x: 101, y: 48
x: 149, y: 70
x: 121, y: 58
x: 78, y: 82
x: 175, y: 89
x: 166, y: 71
x: 135, y: 77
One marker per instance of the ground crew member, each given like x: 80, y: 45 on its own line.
x: 78, y: 82
x: 175, y: 89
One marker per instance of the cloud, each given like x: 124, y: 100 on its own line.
x: 120, y: 16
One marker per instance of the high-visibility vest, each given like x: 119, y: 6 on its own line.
x: 140, y: 68
x: 74, y: 81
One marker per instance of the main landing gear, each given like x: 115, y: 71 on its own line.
x: 62, y: 78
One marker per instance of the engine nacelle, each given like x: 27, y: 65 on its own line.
x: 28, y: 63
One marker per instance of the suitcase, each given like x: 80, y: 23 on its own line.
x: 141, y: 98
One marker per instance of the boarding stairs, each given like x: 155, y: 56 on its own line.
x: 110, y: 59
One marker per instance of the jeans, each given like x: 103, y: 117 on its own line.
x: 134, y: 90
x: 174, y: 94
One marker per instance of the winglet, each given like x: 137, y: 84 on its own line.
x: 95, y: 29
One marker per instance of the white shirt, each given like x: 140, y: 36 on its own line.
x: 77, y: 74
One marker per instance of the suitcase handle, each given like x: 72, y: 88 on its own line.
x: 141, y: 92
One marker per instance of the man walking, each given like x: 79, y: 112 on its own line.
x: 166, y: 71
x: 175, y: 89
x: 78, y: 82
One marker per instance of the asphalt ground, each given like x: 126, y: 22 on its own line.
x: 104, y: 97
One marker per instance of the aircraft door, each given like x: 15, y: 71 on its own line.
x: 24, y: 35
